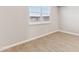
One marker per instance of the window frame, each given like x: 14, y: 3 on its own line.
x: 41, y: 17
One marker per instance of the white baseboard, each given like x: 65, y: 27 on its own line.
x: 18, y: 43
x: 69, y: 32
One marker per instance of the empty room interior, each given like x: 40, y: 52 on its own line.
x: 39, y: 28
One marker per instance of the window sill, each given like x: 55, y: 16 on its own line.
x: 35, y: 23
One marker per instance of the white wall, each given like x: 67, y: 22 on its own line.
x: 69, y: 19
x: 14, y: 25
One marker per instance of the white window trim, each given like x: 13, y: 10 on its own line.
x: 41, y: 17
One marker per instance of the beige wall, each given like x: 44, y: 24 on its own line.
x: 69, y: 19
x: 14, y: 25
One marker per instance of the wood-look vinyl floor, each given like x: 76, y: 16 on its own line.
x: 57, y: 42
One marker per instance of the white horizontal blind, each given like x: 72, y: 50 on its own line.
x: 45, y: 11
x: 34, y: 10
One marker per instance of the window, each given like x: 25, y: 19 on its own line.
x: 39, y: 14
